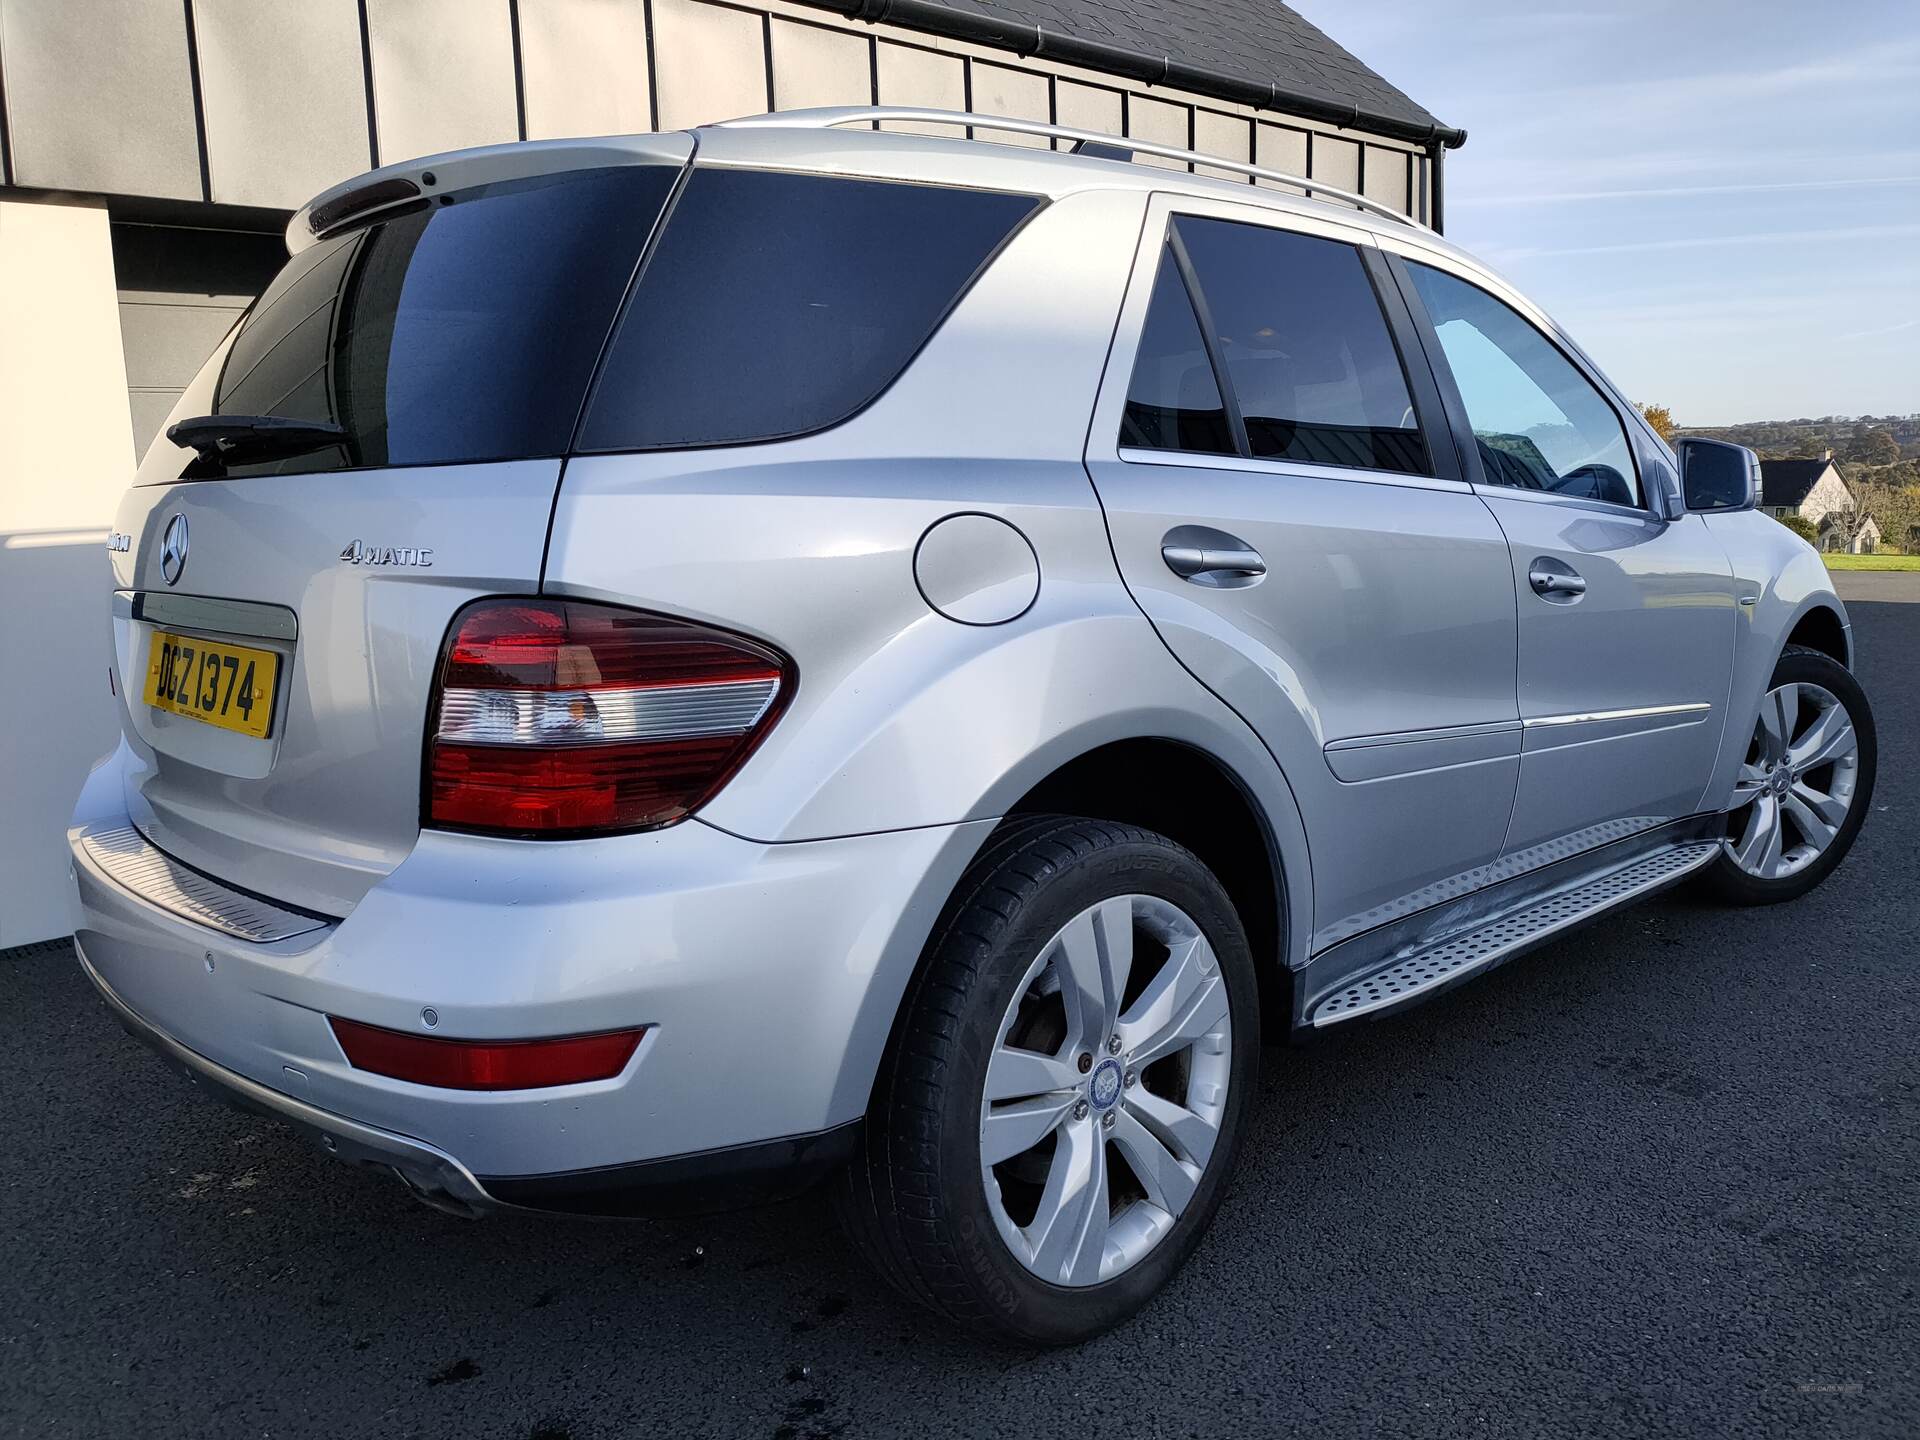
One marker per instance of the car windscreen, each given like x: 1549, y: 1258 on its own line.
x: 460, y: 330
x: 776, y: 304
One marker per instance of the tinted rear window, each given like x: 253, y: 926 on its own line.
x: 778, y: 304
x: 1309, y: 357
x: 466, y: 329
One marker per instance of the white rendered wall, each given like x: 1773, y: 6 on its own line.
x: 66, y: 455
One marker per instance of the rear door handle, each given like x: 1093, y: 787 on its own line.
x: 1556, y: 582
x: 1211, y: 557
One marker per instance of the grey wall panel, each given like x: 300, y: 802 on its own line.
x: 284, y: 90
x: 166, y: 343
x: 910, y: 76
x: 1336, y: 161
x: 442, y: 75
x: 1386, y: 177
x: 1087, y: 107
x: 585, y: 67
x: 180, y: 290
x: 99, y: 96
x: 1003, y: 90
x: 816, y: 66
x: 711, y: 63
x: 1228, y: 136
x: 1160, y: 122
x: 1280, y: 149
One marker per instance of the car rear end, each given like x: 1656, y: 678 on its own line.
x: 397, y: 841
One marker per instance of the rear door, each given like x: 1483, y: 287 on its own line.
x: 1281, y: 513
x: 281, y: 607
x: 1626, y: 619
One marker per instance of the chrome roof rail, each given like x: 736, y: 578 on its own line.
x: 831, y: 117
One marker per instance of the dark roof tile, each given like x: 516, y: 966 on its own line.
x: 1786, y: 482
x: 1251, y: 42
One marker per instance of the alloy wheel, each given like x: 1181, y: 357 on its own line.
x: 1105, y: 1092
x: 1797, y: 783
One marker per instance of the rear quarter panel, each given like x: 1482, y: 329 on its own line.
x: 902, y: 717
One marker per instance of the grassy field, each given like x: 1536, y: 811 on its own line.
x: 1872, y: 562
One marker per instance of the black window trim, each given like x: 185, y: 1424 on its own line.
x: 574, y: 450
x: 1209, y: 338
x: 1462, y: 426
x: 1430, y: 413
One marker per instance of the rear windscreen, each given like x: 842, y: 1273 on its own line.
x: 463, y: 329
x: 777, y: 304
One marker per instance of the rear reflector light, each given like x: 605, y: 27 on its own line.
x: 485, y: 1064
x: 565, y: 718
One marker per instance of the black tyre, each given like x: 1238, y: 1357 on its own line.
x: 1063, y: 1097
x: 1805, y: 786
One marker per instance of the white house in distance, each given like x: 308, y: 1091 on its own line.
x: 1812, y: 490
x: 1809, y: 489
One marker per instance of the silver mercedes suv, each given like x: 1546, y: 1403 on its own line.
x: 660, y: 670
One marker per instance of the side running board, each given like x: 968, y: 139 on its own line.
x: 1416, y: 974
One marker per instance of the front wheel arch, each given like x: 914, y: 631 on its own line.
x: 1820, y: 628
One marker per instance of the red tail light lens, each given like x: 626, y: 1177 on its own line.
x: 556, y: 717
x: 485, y: 1064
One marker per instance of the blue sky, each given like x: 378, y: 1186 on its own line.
x: 1720, y: 200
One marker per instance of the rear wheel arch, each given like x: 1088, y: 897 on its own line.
x: 1199, y: 800
x: 1194, y: 799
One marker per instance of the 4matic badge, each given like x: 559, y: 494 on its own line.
x: 360, y: 553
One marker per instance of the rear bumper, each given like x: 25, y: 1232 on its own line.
x: 433, y: 1174
x: 740, y: 1175
x: 766, y: 977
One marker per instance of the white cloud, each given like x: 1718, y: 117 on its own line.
x: 1685, y: 191
x: 1501, y: 255
x: 1882, y: 330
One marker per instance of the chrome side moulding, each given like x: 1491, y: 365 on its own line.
x: 1378, y: 757
x: 1644, y: 712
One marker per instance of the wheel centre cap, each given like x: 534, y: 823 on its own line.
x: 1782, y: 780
x: 1104, y: 1086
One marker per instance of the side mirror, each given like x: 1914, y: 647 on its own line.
x: 1717, y: 476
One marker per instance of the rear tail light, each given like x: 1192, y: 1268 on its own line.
x: 485, y: 1064
x: 557, y: 717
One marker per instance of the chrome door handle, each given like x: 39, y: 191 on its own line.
x: 1187, y: 561
x: 1549, y: 581
x: 1211, y: 557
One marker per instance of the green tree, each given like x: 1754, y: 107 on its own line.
x: 1803, y: 528
x: 1661, y: 419
x: 1874, y: 447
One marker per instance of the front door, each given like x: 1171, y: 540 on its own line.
x: 1279, y: 513
x: 1626, y: 620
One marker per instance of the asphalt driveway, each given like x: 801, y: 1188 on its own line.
x: 1664, y: 1175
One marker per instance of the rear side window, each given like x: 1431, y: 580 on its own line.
x: 777, y: 304
x: 460, y: 330
x: 1538, y: 422
x: 1307, y: 351
x: 1173, y: 400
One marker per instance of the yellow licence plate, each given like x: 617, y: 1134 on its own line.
x: 230, y: 686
